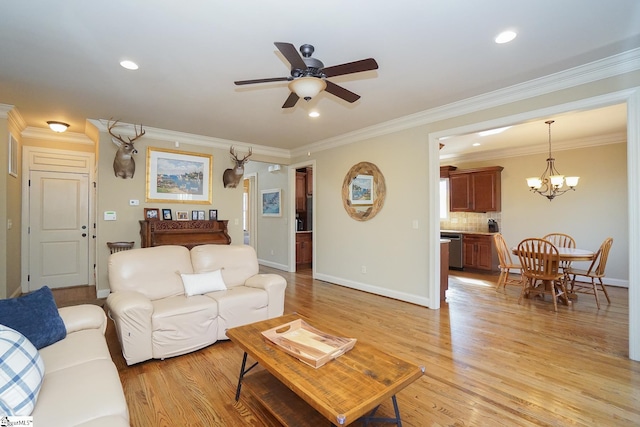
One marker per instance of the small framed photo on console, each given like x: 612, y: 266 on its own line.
x: 182, y: 215
x: 213, y: 214
x: 151, y: 213
x: 166, y: 214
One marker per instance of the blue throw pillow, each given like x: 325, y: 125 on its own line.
x: 35, y: 316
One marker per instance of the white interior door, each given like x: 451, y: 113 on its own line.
x: 58, y: 229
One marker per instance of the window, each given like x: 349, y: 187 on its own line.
x: 444, y: 198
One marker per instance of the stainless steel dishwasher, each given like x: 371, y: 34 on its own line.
x: 455, y: 249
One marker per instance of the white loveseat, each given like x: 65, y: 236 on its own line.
x: 81, y: 386
x: 156, y: 319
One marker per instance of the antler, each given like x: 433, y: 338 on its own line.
x: 248, y: 155
x: 234, y: 155
x: 119, y: 138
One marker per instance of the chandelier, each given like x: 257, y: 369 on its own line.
x: 551, y: 181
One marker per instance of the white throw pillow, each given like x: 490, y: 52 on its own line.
x: 201, y: 283
x: 21, y: 373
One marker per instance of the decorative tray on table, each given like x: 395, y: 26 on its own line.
x: 308, y: 344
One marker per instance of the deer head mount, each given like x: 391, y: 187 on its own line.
x: 231, y: 177
x: 123, y: 164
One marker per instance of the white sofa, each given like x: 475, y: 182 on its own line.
x: 154, y: 317
x: 81, y: 386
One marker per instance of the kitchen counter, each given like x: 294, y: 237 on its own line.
x: 468, y: 232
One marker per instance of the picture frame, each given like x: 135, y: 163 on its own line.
x: 178, y: 176
x: 166, y: 215
x: 201, y: 216
x: 271, y: 202
x: 361, y: 190
x: 182, y: 216
x: 12, y: 155
x: 194, y: 215
x: 152, y: 213
x: 213, y: 214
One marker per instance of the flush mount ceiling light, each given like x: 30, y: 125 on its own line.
x: 129, y: 65
x: 505, y: 37
x: 307, y: 87
x: 314, y: 114
x: 57, y: 126
x: 550, y: 182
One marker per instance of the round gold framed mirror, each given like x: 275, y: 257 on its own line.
x: 363, y: 191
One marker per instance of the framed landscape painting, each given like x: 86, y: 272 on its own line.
x: 361, y: 191
x: 178, y: 176
x: 272, y: 202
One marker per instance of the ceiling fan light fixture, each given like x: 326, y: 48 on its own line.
x: 57, y: 126
x: 307, y: 87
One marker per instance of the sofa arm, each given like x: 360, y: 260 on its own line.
x: 275, y: 286
x: 85, y: 316
x: 131, y: 313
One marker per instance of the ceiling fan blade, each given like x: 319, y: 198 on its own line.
x: 291, y: 100
x: 341, y: 92
x: 351, y: 67
x: 290, y: 52
x: 273, y: 79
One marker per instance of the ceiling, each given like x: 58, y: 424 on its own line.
x: 60, y: 61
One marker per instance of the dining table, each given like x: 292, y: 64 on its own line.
x: 568, y: 254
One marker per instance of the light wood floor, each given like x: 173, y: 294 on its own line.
x: 488, y: 360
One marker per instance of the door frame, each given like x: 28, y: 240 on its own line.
x: 54, y: 160
x: 629, y: 96
x: 253, y: 209
x: 292, y: 215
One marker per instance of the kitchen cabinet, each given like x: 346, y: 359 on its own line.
x: 301, y: 191
x: 304, y: 248
x: 309, y: 179
x: 475, y: 190
x: 479, y: 252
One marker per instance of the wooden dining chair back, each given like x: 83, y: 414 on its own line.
x: 506, y: 264
x: 540, y: 267
x: 119, y: 246
x: 561, y: 240
x: 591, y: 278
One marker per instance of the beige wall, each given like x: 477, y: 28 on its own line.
x: 114, y: 195
x: 387, y: 246
x: 272, y: 232
x: 596, y: 210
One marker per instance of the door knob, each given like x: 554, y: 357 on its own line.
x: 84, y: 234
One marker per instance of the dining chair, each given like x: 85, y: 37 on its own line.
x: 595, y: 272
x: 119, y: 246
x: 540, y: 263
x: 561, y: 240
x: 506, y: 264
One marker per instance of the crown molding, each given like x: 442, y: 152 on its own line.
x: 4, y: 110
x: 69, y: 137
x: 594, y: 141
x: 12, y: 114
x: 193, y: 139
x: 608, y: 67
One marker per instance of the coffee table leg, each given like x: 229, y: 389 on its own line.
x: 371, y: 417
x: 242, y: 373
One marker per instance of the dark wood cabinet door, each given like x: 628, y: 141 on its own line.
x: 486, y: 191
x: 460, y: 193
x: 301, y: 192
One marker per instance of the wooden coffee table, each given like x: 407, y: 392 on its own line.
x: 344, y: 390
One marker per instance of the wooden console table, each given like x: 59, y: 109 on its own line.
x: 183, y: 233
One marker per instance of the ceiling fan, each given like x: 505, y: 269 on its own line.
x: 309, y: 75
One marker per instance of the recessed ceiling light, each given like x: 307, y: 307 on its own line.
x: 505, y: 37
x: 476, y: 144
x: 314, y: 114
x: 129, y: 65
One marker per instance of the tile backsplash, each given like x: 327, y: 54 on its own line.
x: 470, y: 221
